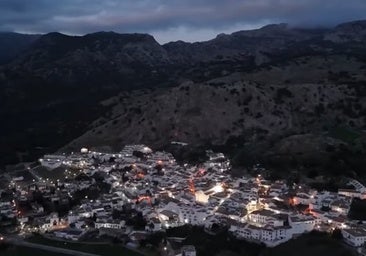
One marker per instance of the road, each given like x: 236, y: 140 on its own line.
x: 31, y: 170
x: 19, y: 242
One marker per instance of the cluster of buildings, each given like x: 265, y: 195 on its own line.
x: 152, y: 186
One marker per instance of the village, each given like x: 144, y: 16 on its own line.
x: 137, y: 192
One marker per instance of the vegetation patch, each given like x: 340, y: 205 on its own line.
x: 344, y: 134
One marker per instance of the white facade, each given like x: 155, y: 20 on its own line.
x: 264, y: 217
x: 201, y: 197
x: 154, y: 226
x: 188, y: 250
x: 301, y: 224
x: 52, y: 161
x: 349, y: 193
x: 302, y: 198
x: 109, y: 224
x: 354, y: 237
x: 269, y: 235
x: 70, y: 235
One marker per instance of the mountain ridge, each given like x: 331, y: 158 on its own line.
x: 54, y: 88
x: 271, y: 28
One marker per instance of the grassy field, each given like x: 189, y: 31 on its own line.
x: 314, y: 244
x: 25, y: 251
x: 345, y: 134
x: 101, y: 249
x: 208, y: 245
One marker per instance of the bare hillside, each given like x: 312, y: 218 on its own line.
x: 213, y: 112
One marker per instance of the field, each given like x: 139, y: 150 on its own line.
x: 25, y: 251
x: 344, y: 134
x: 314, y: 244
x: 100, y: 249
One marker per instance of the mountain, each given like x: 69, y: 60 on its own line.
x: 103, y: 57
x: 56, y: 90
x: 241, y: 45
x: 109, y: 58
x: 352, y: 31
x: 214, y: 111
x: 316, y: 124
x: 13, y: 44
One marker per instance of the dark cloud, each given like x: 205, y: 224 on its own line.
x: 171, y: 19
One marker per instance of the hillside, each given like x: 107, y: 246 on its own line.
x: 281, y: 124
x: 13, y: 44
x: 196, y: 113
x: 51, y: 92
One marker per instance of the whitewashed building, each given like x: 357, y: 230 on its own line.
x: 109, y: 223
x: 354, y: 237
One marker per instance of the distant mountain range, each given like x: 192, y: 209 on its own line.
x: 52, y: 88
x: 109, y: 58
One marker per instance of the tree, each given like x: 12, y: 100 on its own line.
x: 337, y: 234
x: 312, y: 174
x: 151, y: 226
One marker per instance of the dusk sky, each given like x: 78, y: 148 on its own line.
x: 171, y: 20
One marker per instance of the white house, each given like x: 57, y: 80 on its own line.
x: 359, y: 187
x: 109, y: 223
x: 188, y: 250
x: 275, y: 233
x: 349, y: 193
x: 264, y: 217
x: 54, y: 222
x: 70, y: 234
x: 354, y: 237
x: 72, y: 217
x: 341, y: 206
x: 52, y: 161
x: 301, y: 223
x: 201, y: 197
x: 302, y: 198
x: 193, y: 215
x: 269, y: 235
x: 169, y: 218
x: 154, y: 225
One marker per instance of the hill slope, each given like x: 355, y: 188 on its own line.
x: 54, y: 87
x: 13, y: 44
x: 278, y: 124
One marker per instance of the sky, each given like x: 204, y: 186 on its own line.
x: 171, y: 20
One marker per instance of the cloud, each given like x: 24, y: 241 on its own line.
x: 171, y: 19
